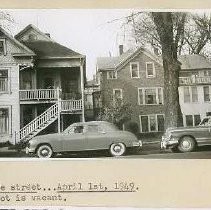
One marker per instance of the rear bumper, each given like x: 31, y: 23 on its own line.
x: 137, y: 144
x: 30, y: 150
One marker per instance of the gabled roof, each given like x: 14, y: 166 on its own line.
x: 47, y: 48
x: 188, y: 62
x: 115, y: 63
x: 50, y: 49
x: 31, y: 26
x: 194, y: 62
x: 26, y: 50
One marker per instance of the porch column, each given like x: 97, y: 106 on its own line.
x: 35, y: 79
x: 82, y: 91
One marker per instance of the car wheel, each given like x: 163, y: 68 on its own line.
x: 186, y: 144
x: 44, y: 151
x: 117, y: 149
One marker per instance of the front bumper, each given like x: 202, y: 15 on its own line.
x: 137, y: 144
x: 30, y: 150
x: 168, y: 143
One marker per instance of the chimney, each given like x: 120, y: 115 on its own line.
x: 47, y: 34
x: 120, y: 49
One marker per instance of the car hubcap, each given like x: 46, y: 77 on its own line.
x: 117, y: 148
x: 186, y: 144
x: 45, y: 152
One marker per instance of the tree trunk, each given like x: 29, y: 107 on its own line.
x: 171, y: 66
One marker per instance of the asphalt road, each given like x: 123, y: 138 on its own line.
x: 148, y: 152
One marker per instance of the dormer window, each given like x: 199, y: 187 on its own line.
x: 112, y: 75
x: 150, y: 70
x: 2, y: 47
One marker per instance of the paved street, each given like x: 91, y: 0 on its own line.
x: 149, y: 151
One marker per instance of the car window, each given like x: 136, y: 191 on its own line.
x: 76, y: 129
x: 79, y: 129
x: 93, y: 128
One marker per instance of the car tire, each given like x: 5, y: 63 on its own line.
x: 117, y: 149
x: 44, y: 151
x: 186, y: 144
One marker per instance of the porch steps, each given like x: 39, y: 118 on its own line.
x: 37, y: 125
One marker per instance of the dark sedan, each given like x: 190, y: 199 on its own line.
x: 95, y: 135
x: 186, y: 139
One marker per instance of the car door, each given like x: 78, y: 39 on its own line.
x: 96, y: 137
x: 203, y: 133
x: 74, y: 139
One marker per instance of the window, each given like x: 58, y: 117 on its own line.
x: 186, y: 95
x: 3, y: 80
x: 4, y: 121
x: 160, y: 120
x: 144, y: 124
x: 194, y: 92
x: 112, y: 75
x: 207, y: 73
x: 206, y: 93
x: 152, y: 123
x: 134, y: 70
x: 117, y: 94
x: 151, y: 96
x: 190, y: 94
x: 2, y: 47
x: 197, y: 119
x: 192, y: 120
x: 150, y: 70
x: 189, y: 120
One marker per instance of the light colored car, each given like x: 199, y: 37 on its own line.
x: 186, y: 139
x: 95, y: 135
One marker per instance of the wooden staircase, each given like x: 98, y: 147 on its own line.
x: 37, y: 125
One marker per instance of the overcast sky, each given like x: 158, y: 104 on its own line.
x: 85, y: 31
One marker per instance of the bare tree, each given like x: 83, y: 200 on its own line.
x: 194, y: 31
x: 197, y: 34
x: 169, y: 46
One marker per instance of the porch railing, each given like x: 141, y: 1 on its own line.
x: 39, y: 94
x: 3, y: 84
x: 194, y: 80
x: 71, y: 105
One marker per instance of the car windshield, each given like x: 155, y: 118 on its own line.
x: 205, y: 122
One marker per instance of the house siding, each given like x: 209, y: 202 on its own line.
x: 10, y: 99
x: 130, y: 86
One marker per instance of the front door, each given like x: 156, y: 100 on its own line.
x: 74, y: 139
